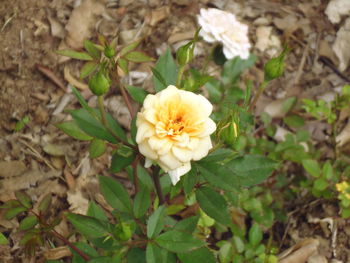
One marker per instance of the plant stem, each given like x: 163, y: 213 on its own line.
x: 155, y: 176
x: 105, y: 123
x: 127, y: 100
x: 179, y: 76
x: 59, y: 236
x: 102, y: 110
x: 134, y: 171
x: 72, y: 246
x: 260, y: 91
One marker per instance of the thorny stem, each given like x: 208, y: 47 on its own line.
x: 58, y: 235
x: 155, y: 176
x: 260, y: 91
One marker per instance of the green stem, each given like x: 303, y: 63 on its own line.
x: 155, y: 176
x: 179, y: 76
x: 102, y: 110
x: 260, y: 91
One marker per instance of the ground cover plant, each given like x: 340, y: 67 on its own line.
x: 209, y: 179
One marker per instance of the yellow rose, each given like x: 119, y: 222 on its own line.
x: 174, y: 128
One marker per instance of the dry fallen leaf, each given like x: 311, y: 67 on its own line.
x: 81, y: 21
x: 336, y: 9
x: 57, y: 253
x: 300, y: 252
x: 344, y: 136
x: 267, y: 41
x: 341, y: 46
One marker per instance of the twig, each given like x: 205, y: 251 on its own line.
x: 155, y: 176
x: 50, y: 75
x: 329, y: 64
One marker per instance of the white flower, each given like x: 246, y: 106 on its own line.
x: 174, y: 128
x: 221, y: 26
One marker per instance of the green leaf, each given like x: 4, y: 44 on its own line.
x: 213, y: 204
x: 155, y: 254
x: 218, y: 175
x: 239, y: 244
x: 187, y: 225
x: 225, y: 252
x: 312, y: 167
x: 91, y: 49
x: 158, y: 76
x: 251, y: 169
x: 81, y: 100
x: 142, y: 202
x: 97, y: 148
x: 137, y: 94
x: 87, y: 69
x: 88, y: 226
x: 74, y: 54
x: 136, y: 255
x: 92, y: 126
x: 96, y: 211
x: 115, y: 194
x: 189, y: 180
x: 45, y: 203
x: 71, y: 128
x: 138, y: 57
x: 24, y: 199
x: 91, y: 252
x: 321, y: 184
x: 202, y: 255
x: 10, y: 204
x: 13, y: 212
x: 155, y: 222
x: 3, y: 239
x: 28, y: 222
x: 327, y: 170
x: 101, y: 260
x: 294, y: 121
x: 255, y: 235
x: 178, y: 242
x: 233, y: 68
x: 119, y: 162
x: 129, y: 48
x: 124, y: 65
x: 167, y: 68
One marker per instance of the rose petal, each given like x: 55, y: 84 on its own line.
x: 144, y: 130
x: 170, y: 161
x: 204, y: 145
x: 183, y: 154
x: 178, y: 172
x: 147, y: 151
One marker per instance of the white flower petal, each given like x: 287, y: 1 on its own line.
x: 145, y: 130
x: 148, y: 163
x: 170, y: 161
x: 183, y: 154
x: 209, y: 127
x: 204, y: 145
x: 147, y: 151
x: 178, y: 172
x: 160, y: 145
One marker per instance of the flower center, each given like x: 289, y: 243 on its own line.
x: 175, y: 127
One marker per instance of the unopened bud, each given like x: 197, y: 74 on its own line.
x: 185, y: 54
x: 274, y: 68
x: 99, y: 83
x: 229, y: 132
x: 109, y: 52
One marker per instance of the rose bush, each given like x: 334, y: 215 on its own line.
x: 221, y: 26
x: 174, y: 128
